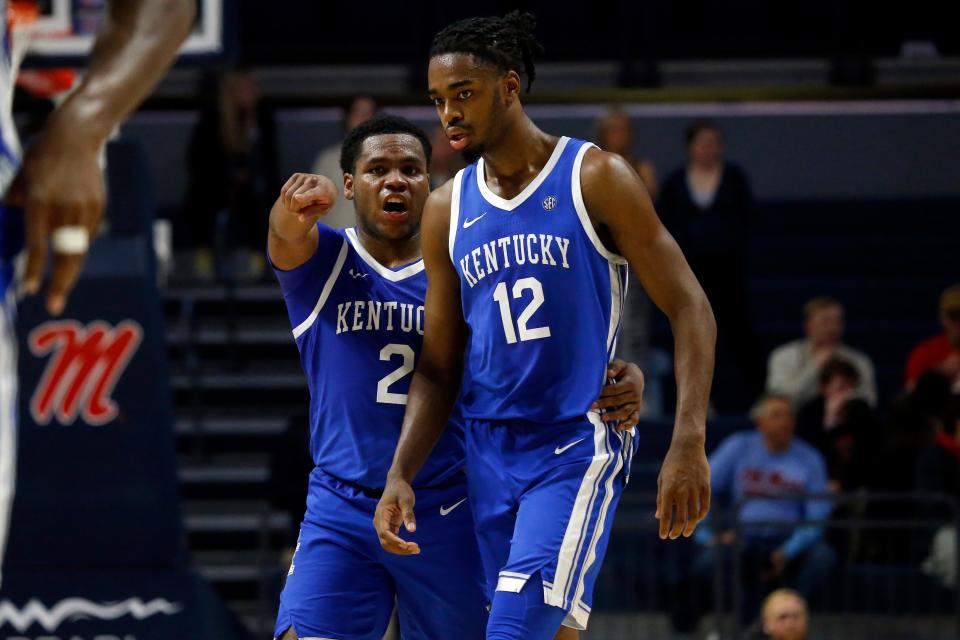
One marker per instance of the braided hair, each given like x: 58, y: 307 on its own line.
x: 507, y: 43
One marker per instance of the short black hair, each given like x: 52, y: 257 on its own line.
x: 703, y: 124
x: 507, y: 43
x: 838, y: 367
x: 376, y: 126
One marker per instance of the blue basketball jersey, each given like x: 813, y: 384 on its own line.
x: 359, y: 328
x: 541, y: 294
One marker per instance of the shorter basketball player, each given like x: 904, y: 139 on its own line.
x: 355, y: 298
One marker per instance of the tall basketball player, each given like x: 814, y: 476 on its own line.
x: 57, y: 195
x: 526, y: 253
x: 355, y: 301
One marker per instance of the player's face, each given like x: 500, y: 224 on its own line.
x: 389, y: 186
x: 470, y: 100
x: 786, y: 619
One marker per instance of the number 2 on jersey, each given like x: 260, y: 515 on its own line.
x: 526, y: 333
x: 384, y: 395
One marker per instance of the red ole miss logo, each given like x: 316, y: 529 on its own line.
x: 85, y: 364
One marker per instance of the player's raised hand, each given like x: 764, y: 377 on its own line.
x: 683, y: 488
x: 61, y: 191
x: 308, y: 196
x: 396, y: 508
x: 623, y: 398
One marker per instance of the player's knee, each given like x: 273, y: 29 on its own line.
x: 524, y: 615
x: 289, y: 634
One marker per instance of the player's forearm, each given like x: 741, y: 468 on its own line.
x: 133, y: 50
x: 695, y: 335
x: 429, y: 404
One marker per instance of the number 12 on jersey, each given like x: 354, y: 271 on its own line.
x: 526, y: 332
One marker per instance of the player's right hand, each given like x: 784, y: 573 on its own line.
x: 308, y: 196
x: 396, y: 508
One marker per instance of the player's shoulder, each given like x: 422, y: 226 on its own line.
x: 603, y: 172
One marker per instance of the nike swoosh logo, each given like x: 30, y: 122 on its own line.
x: 560, y: 450
x: 445, y: 510
x: 467, y: 223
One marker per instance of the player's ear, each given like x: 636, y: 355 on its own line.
x: 348, y: 186
x: 511, y: 86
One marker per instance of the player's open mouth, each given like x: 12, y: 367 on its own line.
x: 395, y: 208
x: 459, y: 141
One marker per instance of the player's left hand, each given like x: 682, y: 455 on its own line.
x: 59, y: 185
x: 623, y: 398
x: 683, y: 488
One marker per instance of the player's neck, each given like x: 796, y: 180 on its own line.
x: 391, y: 253
x: 519, y: 154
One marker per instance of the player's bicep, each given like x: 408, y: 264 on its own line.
x: 616, y: 197
x: 445, y: 331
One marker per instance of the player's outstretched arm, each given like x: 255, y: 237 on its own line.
x: 436, y: 381
x: 292, y: 238
x: 61, y: 183
x: 621, y: 208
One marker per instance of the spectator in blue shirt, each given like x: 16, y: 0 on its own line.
x: 768, y: 478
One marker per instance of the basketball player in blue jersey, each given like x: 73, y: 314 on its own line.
x: 57, y: 196
x: 355, y: 300
x: 526, y: 253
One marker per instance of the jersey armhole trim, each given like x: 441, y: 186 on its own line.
x: 455, y: 211
x: 325, y: 293
x: 582, y: 209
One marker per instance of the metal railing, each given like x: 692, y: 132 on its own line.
x: 876, y: 588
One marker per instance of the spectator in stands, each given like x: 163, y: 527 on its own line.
x: 794, y: 369
x: 938, y: 465
x: 767, y: 478
x: 231, y: 164
x: 445, y: 162
x: 940, y: 353
x: 784, y: 615
x: 707, y: 205
x: 615, y: 134
x: 360, y: 109
x: 841, y: 426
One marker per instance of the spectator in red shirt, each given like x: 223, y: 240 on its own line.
x: 941, y: 352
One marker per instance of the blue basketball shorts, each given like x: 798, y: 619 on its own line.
x: 543, y: 498
x: 342, y: 585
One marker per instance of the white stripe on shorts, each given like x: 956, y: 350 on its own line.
x: 8, y: 420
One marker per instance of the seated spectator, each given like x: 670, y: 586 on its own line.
x: 793, y: 369
x: 231, y: 162
x: 841, y: 426
x: 327, y: 163
x: 768, y: 478
x: 941, y: 352
x: 784, y: 615
x: 938, y: 465
x: 615, y: 134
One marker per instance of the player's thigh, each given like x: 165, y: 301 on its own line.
x: 335, y: 589
x: 562, y: 529
x: 492, y: 504
x: 440, y: 591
